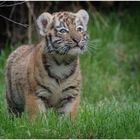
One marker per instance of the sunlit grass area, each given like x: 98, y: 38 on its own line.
x: 110, y: 94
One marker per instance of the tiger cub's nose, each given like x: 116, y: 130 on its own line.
x: 77, y: 39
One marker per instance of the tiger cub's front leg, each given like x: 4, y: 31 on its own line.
x: 35, y: 105
x: 69, y: 104
x: 70, y: 108
x: 74, y: 108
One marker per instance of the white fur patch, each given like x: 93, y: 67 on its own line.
x: 60, y: 70
x: 41, y: 106
x: 75, y: 51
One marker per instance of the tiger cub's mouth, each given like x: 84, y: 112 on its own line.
x: 77, y: 50
x: 71, y: 50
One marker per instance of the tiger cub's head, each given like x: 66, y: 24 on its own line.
x: 64, y: 32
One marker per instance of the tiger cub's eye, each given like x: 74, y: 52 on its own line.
x: 79, y: 29
x: 63, y: 30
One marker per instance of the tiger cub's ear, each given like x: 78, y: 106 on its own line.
x: 43, y: 21
x: 84, y: 15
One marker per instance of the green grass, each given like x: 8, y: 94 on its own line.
x: 110, y: 106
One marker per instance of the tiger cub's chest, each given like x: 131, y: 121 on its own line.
x: 61, y: 71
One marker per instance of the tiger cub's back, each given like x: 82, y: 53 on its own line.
x: 16, y: 79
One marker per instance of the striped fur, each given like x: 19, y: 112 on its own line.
x: 48, y: 74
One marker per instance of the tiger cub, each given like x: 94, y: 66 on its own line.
x: 48, y: 74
